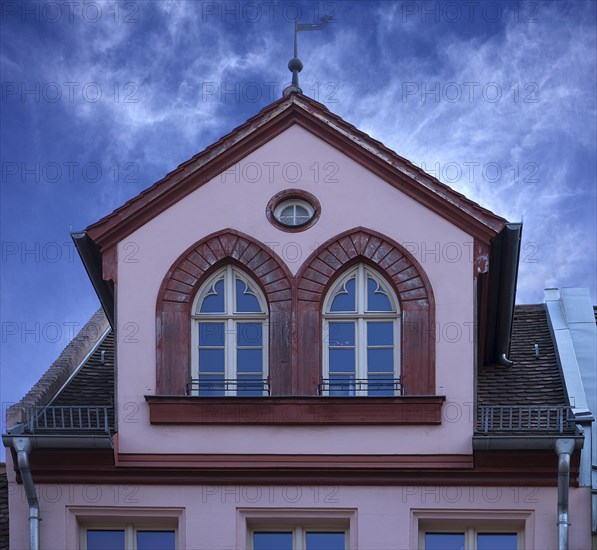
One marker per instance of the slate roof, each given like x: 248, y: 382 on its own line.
x: 94, y: 382
x: 528, y: 397
x: 76, y: 377
x: 531, y: 380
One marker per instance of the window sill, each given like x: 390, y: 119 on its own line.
x: 295, y: 410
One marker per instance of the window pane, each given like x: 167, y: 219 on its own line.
x: 380, y: 360
x: 377, y: 299
x: 210, y: 385
x: 380, y: 385
x: 342, y: 360
x: 105, y: 540
x: 156, y: 540
x: 345, y: 297
x: 214, y: 301
x: 497, y: 541
x: 249, y: 334
x: 250, y: 385
x: 249, y: 360
x: 380, y: 334
x: 341, y: 334
x: 444, y: 541
x: 211, y: 334
x: 246, y: 301
x: 211, y: 360
x: 272, y: 541
x: 341, y: 384
x: 325, y: 541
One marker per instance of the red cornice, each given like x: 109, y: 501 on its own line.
x: 295, y: 410
x: 527, y: 469
x: 315, y: 118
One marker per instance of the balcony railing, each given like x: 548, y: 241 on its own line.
x: 524, y: 418
x: 228, y: 386
x: 68, y: 418
x: 360, y: 387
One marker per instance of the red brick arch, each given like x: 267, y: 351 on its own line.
x: 183, y: 280
x: 407, y: 278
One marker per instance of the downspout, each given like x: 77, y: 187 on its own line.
x: 22, y: 446
x: 563, y: 448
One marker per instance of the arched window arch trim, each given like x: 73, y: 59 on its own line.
x: 404, y: 275
x: 179, y: 290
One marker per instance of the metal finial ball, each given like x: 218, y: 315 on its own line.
x: 295, y: 64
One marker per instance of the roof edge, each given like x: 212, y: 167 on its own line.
x: 262, y: 127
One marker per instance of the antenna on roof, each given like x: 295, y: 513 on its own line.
x: 295, y: 65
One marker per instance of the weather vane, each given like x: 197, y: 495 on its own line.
x: 295, y: 65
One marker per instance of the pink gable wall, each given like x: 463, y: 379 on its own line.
x: 237, y: 199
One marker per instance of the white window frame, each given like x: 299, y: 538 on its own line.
x: 250, y: 520
x: 231, y: 318
x: 79, y: 518
x: 471, y: 532
x: 361, y: 316
x: 293, y: 202
x: 130, y: 528
x: 472, y: 522
x: 299, y: 533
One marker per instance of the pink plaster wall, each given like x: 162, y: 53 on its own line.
x: 237, y: 199
x: 210, y: 518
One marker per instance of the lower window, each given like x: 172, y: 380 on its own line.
x: 470, y: 538
x: 128, y: 537
x: 299, y: 538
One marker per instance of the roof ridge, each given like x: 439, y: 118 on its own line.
x: 126, y: 218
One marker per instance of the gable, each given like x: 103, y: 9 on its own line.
x: 349, y: 196
x: 259, y: 130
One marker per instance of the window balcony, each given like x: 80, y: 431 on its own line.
x: 367, y: 387
x: 241, y: 387
x: 69, y: 418
x: 539, y: 419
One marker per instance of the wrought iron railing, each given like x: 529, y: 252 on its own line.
x: 228, y: 386
x: 360, y: 387
x: 69, y: 418
x: 524, y: 418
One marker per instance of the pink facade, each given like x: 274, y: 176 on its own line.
x: 381, y: 518
x: 382, y: 479
x: 358, y: 198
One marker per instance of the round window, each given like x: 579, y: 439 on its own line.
x: 294, y: 213
x: 293, y: 210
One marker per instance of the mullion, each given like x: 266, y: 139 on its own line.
x: 380, y: 380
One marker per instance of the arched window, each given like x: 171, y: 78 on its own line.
x: 361, y: 336
x: 229, y: 337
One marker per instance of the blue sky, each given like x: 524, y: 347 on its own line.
x: 101, y: 99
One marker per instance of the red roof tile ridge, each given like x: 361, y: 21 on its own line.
x: 322, y: 113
